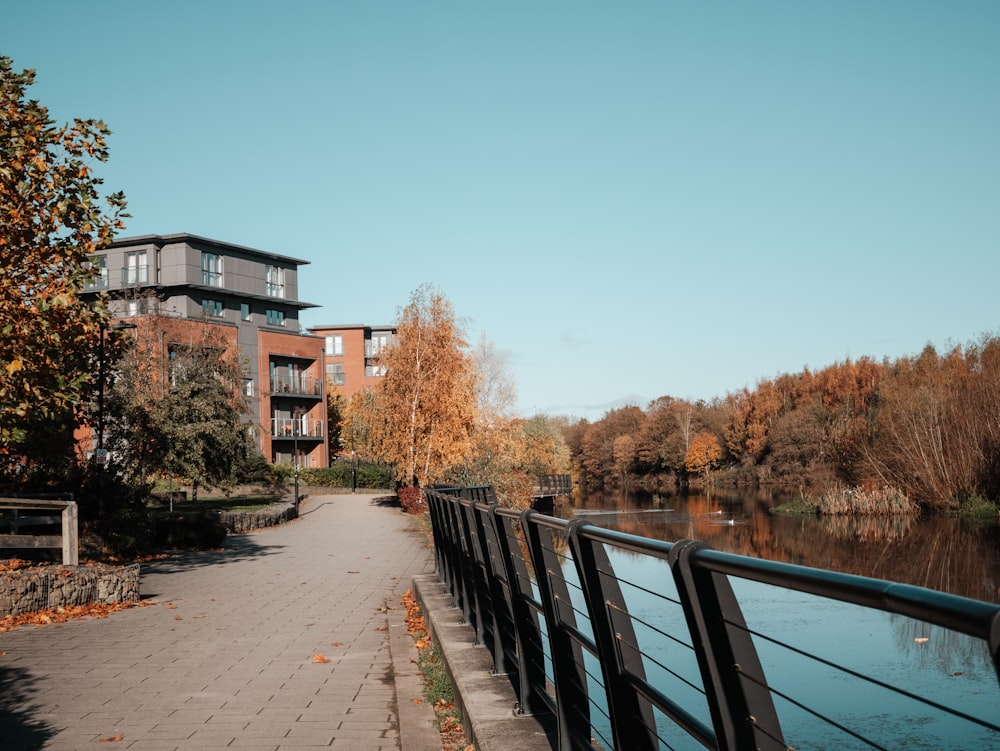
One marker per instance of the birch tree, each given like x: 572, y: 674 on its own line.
x: 428, y: 396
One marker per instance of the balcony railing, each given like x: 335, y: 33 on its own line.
x: 301, y: 384
x: 97, y: 283
x: 135, y: 275
x: 295, y: 428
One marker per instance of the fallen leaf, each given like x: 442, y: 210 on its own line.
x: 178, y: 617
x: 418, y: 701
x: 112, y: 739
x: 921, y: 639
x: 336, y: 644
x: 319, y: 659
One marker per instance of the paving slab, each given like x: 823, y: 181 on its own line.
x: 284, y: 639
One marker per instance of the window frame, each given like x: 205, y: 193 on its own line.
x: 211, y: 269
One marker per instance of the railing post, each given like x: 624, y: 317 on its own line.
x: 740, y: 703
x: 70, y: 535
x: 569, y: 678
x: 632, y: 724
x: 527, y: 635
x: 477, y: 587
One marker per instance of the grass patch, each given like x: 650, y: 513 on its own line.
x: 438, y: 688
x: 864, y: 501
x: 979, y: 509
x: 221, y: 503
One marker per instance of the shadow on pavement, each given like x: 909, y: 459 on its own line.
x: 386, y: 501
x: 18, y: 730
x: 237, y: 548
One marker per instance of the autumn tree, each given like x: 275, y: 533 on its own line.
x: 336, y: 409
x: 427, y: 399
x: 597, y: 452
x: 52, y: 219
x: 703, y: 454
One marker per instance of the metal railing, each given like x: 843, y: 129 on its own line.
x: 553, y: 485
x: 296, y: 427
x: 543, y: 596
x: 300, y: 384
x: 135, y: 275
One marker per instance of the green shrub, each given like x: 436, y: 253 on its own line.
x: 978, y: 508
x: 369, y: 475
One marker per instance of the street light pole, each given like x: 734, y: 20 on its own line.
x: 295, y: 450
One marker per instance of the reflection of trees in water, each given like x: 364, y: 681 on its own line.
x: 18, y: 728
x: 940, y: 649
x: 938, y: 553
x: 867, y: 528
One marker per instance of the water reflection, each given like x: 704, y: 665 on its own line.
x: 946, y: 554
x: 800, y: 637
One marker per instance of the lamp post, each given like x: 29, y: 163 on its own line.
x: 101, y: 455
x: 296, y: 426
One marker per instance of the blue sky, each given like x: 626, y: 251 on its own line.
x: 631, y: 199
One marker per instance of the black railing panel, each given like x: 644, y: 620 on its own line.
x: 682, y: 657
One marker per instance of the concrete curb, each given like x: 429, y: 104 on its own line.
x: 416, y: 717
x: 487, y: 701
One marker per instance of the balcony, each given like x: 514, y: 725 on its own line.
x: 97, y: 284
x: 292, y: 428
x: 300, y: 385
x: 135, y: 275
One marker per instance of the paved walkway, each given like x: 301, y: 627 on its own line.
x: 226, y: 657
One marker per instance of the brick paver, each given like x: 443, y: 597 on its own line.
x: 226, y: 656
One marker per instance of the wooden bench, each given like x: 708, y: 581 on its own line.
x: 69, y: 540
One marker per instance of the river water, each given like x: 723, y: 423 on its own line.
x: 947, y: 554
x: 950, y: 555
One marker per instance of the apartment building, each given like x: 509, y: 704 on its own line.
x: 179, y: 283
x: 350, y: 352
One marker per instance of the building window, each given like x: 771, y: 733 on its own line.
x: 374, y: 371
x: 136, y: 271
x: 211, y: 270
x: 248, y: 386
x: 275, y: 282
x: 375, y: 345
x: 335, y: 374
x: 244, y: 311
x: 274, y: 317
x: 335, y: 345
x: 212, y: 308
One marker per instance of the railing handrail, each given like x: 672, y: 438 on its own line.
x: 297, y: 384
x: 297, y: 427
x: 477, y: 557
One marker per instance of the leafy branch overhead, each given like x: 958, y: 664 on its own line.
x: 52, y: 219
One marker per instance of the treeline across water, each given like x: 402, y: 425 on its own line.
x: 926, y: 425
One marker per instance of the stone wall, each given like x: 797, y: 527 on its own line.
x: 53, y: 586
x: 238, y: 522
